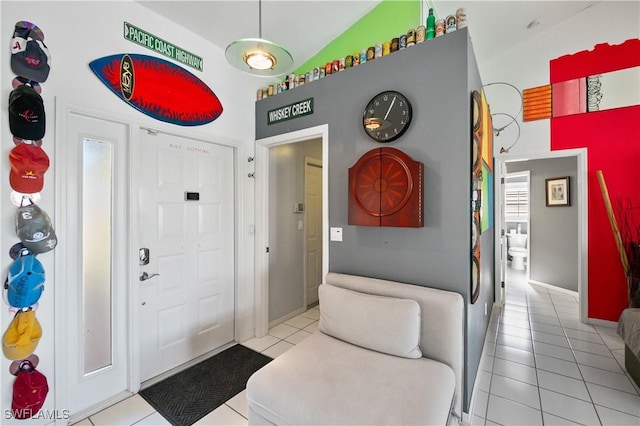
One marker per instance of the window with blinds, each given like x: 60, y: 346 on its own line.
x: 517, y: 205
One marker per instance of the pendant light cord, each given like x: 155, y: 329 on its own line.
x: 259, y: 18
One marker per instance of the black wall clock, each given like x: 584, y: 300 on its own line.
x: 387, y: 116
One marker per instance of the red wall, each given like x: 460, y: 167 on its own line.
x: 612, y: 139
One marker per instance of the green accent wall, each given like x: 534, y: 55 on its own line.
x: 387, y: 20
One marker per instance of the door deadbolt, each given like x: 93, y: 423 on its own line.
x: 143, y: 255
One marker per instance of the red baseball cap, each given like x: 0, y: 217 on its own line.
x: 30, y: 389
x: 28, y: 164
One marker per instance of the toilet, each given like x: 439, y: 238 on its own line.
x: 517, y: 249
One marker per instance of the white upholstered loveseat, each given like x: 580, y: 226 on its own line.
x: 385, y: 353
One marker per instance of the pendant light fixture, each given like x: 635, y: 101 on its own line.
x: 257, y: 56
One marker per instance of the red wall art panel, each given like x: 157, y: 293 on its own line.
x: 611, y: 137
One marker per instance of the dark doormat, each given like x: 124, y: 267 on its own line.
x: 186, y: 397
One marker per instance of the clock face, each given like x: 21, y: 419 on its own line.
x: 387, y: 116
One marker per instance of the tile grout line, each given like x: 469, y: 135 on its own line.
x: 239, y: 413
x: 583, y: 381
x: 535, y: 368
x: 145, y: 417
x: 596, y: 332
x: 495, y: 343
x: 574, y: 357
x: 623, y: 368
x: 535, y: 364
x: 284, y: 340
x: 580, y: 371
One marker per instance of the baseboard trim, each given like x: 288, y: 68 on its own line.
x: 468, y: 416
x: 602, y: 323
x: 592, y: 321
x: 554, y: 287
x: 286, y: 317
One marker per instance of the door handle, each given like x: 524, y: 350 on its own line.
x: 146, y: 276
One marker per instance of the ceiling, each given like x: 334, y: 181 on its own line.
x: 304, y: 27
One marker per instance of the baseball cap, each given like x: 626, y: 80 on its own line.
x: 26, y: 113
x: 25, y: 281
x: 28, y: 164
x: 35, y: 230
x: 22, y: 336
x: 30, y: 57
x: 30, y: 389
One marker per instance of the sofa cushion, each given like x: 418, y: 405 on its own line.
x: 325, y: 381
x: 384, y: 324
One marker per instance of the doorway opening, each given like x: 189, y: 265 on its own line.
x: 539, y: 244
x: 295, y: 227
x: 516, y: 212
x: 281, y: 294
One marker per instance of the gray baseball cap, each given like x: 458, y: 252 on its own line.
x: 34, y: 229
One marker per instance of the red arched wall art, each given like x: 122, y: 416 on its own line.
x: 612, y: 139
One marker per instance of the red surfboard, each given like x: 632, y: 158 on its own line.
x: 158, y: 88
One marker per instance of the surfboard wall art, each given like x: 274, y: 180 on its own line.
x: 158, y: 88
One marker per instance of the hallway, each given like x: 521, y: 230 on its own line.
x: 541, y: 365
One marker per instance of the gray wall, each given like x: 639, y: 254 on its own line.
x: 437, y: 76
x: 286, y: 242
x: 554, y: 230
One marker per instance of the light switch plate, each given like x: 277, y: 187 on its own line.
x: 336, y: 234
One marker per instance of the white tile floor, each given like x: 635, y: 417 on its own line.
x: 540, y: 365
x: 136, y: 411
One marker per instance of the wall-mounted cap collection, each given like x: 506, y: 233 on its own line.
x: 24, y: 285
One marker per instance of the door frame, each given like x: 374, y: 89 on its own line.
x: 308, y: 162
x: 580, y: 154
x: 63, y: 109
x: 261, y: 271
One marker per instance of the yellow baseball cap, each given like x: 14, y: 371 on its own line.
x: 22, y: 337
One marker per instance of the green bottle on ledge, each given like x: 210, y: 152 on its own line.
x: 431, y: 25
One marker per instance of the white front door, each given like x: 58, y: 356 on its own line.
x: 94, y: 285
x: 187, y: 224
x: 313, y: 227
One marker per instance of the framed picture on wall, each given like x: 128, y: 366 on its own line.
x: 557, y: 192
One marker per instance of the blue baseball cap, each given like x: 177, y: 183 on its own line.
x: 25, y: 281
